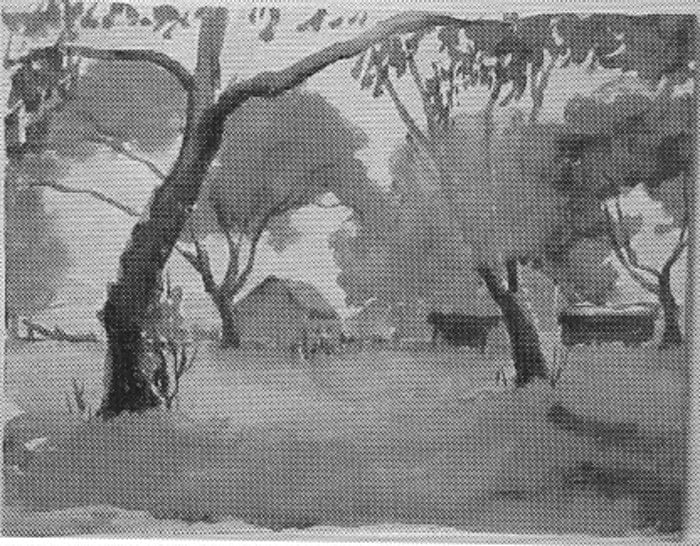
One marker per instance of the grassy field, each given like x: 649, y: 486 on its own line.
x: 374, y: 437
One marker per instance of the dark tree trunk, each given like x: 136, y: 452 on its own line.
x: 153, y: 237
x: 230, y: 332
x: 528, y: 359
x: 128, y: 388
x: 672, y: 332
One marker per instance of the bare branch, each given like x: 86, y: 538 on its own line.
x: 627, y: 243
x: 231, y: 275
x: 62, y: 188
x: 410, y: 123
x: 649, y: 286
x: 120, y: 148
x: 207, y: 73
x: 93, y: 193
x: 682, y: 242
x: 427, y: 107
x: 282, y: 207
x: 102, y: 136
x: 537, y: 89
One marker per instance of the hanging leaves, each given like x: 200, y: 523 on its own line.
x: 314, y: 22
x: 356, y: 70
x: 126, y: 11
x: 268, y: 33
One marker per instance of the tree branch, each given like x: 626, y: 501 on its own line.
x: 62, y: 188
x: 231, y: 276
x: 682, y: 242
x: 427, y: 107
x: 537, y: 89
x: 201, y: 263
x: 283, y: 207
x: 93, y: 193
x: 271, y: 84
x: 627, y: 243
x: 207, y: 73
x: 160, y: 59
x: 120, y: 148
x: 410, y: 123
x: 624, y: 259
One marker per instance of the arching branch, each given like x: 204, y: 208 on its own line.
x: 155, y: 57
x: 271, y: 84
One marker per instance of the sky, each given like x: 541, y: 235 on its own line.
x: 96, y: 233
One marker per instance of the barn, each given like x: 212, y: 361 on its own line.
x: 283, y: 314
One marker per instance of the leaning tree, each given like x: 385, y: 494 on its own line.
x: 297, y: 158
x: 156, y: 233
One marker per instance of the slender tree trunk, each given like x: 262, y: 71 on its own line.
x: 528, y: 359
x: 512, y: 270
x: 672, y: 332
x: 230, y: 331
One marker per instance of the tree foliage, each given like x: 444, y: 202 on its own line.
x: 281, y: 154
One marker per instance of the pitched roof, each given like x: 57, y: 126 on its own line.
x: 304, y: 295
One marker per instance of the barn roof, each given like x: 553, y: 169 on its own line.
x: 304, y: 295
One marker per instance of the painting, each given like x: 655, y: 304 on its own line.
x: 414, y: 271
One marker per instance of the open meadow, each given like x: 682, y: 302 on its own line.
x: 364, y: 438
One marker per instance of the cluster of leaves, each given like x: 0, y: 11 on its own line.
x: 257, y: 15
x: 282, y: 154
x: 270, y: 19
x: 630, y: 139
x: 495, y: 54
x: 654, y: 45
x: 54, y: 15
x: 315, y: 22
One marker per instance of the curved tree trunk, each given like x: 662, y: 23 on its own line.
x: 154, y: 236
x: 528, y: 359
x: 672, y: 332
